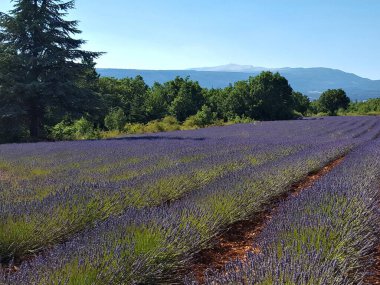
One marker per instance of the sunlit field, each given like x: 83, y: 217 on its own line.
x: 139, y: 209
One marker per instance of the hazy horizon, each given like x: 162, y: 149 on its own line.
x: 221, y: 65
x: 178, y: 34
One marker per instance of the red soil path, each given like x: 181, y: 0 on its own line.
x: 375, y: 278
x: 239, y: 238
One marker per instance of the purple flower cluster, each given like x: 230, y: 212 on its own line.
x: 137, y: 209
x: 326, y: 235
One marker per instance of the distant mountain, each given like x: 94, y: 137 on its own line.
x: 232, y: 68
x: 310, y: 81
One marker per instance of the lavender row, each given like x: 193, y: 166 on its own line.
x: 152, y: 245
x: 208, y: 210
x: 326, y: 235
x: 28, y: 226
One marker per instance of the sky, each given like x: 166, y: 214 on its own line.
x: 181, y: 34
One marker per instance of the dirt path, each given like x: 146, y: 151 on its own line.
x: 375, y: 279
x: 239, y: 238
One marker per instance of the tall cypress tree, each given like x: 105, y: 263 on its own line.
x: 42, y: 65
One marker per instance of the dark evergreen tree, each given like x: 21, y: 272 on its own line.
x: 42, y: 67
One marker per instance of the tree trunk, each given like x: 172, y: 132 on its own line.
x: 34, y: 128
x: 35, y: 122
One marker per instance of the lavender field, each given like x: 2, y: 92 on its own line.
x: 139, y: 209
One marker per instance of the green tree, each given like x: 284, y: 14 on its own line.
x: 301, y: 102
x: 137, y: 107
x: 157, y: 106
x: 332, y: 100
x: 217, y: 100
x: 238, y: 100
x: 267, y: 96
x: 46, y: 66
x: 184, y: 97
x: 129, y: 94
x: 270, y: 97
x: 313, y: 107
x: 12, y: 115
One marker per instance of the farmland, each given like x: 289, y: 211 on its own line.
x: 140, y: 209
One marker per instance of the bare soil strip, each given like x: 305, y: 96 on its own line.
x: 375, y: 278
x: 240, y: 237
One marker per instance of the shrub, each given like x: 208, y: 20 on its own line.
x: 134, y: 128
x: 241, y: 120
x: 322, y: 114
x: 190, y: 123
x: 167, y: 124
x: 205, y: 116
x: 202, y: 118
x: 78, y: 130
x: 84, y: 129
x: 115, y: 120
x: 63, y: 131
x: 297, y: 115
x: 153, y: 127
x: 170, y: 123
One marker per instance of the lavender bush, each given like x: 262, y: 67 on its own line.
x: 136, y: 210
x: 326, y: 235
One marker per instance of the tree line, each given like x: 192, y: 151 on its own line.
x: 49, y: 87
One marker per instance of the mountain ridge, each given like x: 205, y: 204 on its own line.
x: 233, y: 67
x: 311, y: 81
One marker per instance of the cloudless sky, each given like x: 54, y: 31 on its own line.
x: 179, y: 34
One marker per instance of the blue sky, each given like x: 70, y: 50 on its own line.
x: 179, y: 34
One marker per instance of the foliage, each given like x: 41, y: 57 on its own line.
x: 267, y: 96
x: 202, y: 118
x: 188, y: 98
x: 369, y: 107
x: 217, y: 100
x: 272, y: 97
x: 332, y: 100
x: 47, y: 82
x: 167, y: 124
x: 115, y: 120
x: 78, y: 130
x: 313, y: 108
x: 301, y: 103
x: 128, y: 94
x: 44, y: 71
